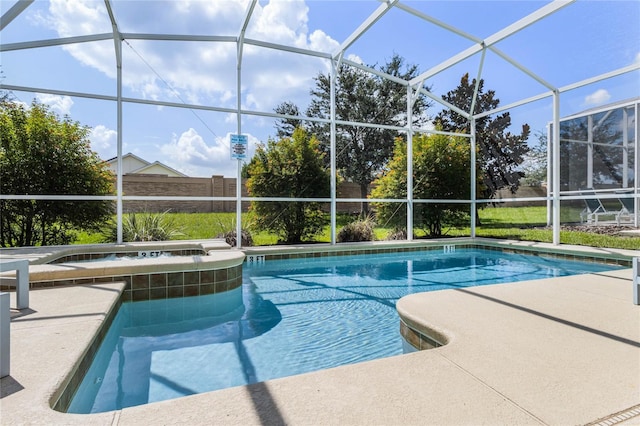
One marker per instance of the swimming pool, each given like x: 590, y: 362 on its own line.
x: 289, y: 317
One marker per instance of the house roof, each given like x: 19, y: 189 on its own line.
x: 138, y: 165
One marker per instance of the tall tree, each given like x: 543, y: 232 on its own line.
x: 362, y: 152
x: 286, y: 126
x: 291, y: 167
x: 43, y: 155
x: 500, y: 152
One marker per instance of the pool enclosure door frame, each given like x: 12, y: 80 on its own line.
x: 414, y: 87
x: 624, y: 140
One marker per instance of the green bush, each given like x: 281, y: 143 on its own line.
x: 42, y: 154
x: 289, y: 168
x: 440, y: 172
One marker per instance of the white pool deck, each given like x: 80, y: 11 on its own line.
x: 562, y: 351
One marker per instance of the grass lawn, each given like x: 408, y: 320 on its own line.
x: 518, y: 223
x: 528, y: 224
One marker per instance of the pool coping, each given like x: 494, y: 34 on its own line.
x: 48, y: 254
x: 65, y: 321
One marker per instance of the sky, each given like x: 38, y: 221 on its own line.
x: 585, y: 39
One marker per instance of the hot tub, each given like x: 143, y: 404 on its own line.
x: 193, y: 267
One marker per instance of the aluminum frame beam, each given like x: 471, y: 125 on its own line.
x: 605, y: 76
x: 480, y: 45
x: 238, y: 112
x: 243, y: 30
x: 368, y: 23
x: 117, y: 40
x: 555, y: 141
x: 13, y: 12
x: 522, y: 68
x: 437, y: 22
x: 55, y: 42
x: 506, y: 32
x: 527, y: 21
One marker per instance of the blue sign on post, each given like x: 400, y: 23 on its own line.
x: 239, y: 147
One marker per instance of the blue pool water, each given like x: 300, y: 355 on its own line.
x: 289, y: 317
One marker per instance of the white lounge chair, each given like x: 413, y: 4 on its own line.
x: 628, y: 211
x: 594, y: 209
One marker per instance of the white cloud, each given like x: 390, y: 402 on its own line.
x: 598, y: 97
x: 637, y: 61
x: 102, y: 138
x: 231, y: 118
x: 192, y: 155
x: 355, y: 58
x: 73, y: 18
x: 281, y: 22
x: 59, y: 104
x: 319, y: 40
x: 200, y: 72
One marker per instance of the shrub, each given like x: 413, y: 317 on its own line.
x: 289, y: 168
x: 145, y: 227
x: 41, y: 154
x: 441, y: 167
x: 228, y: 232
x: 230, y: 238
x: 397, y: 234
x: 360, y: 230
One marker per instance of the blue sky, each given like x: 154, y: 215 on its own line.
x: 583, y: 40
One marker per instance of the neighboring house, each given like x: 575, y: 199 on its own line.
x: 134, y: 165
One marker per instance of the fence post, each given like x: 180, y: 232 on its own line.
x: 21, y: 266
x: 5, y: 320
x: 636, y: 281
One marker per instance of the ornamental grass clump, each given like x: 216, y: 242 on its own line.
x: 230, y: 237
x: 397, y: 234
x: 229, y: 234
x: 360, y: 230
x: 146, y: 227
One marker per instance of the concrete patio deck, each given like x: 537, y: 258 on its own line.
x: 560, y: 351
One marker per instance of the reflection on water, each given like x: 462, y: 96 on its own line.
x: 143, y: 348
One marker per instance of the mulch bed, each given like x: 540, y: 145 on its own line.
x: 596, y: 229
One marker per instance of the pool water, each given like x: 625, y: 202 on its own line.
x: 289, y: 317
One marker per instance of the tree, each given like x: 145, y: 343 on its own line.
x: 534, y: 165
x: 293, y: 168
x: 500, y: 152
x: 286, y: 126
x: 5, y: 96
x: 362, y: 152
x: 441, y: 171
x: 43, y: 155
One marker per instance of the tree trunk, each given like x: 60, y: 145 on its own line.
x: 364, y: 206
